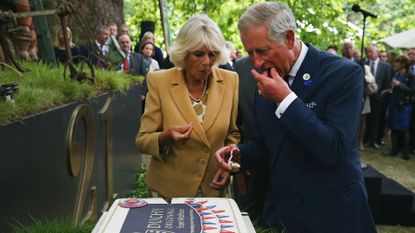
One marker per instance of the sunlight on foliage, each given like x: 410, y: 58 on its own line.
x: 394, y: 16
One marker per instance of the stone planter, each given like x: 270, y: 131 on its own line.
x: 72, y: 160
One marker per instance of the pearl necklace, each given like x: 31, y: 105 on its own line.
x: 203, y: 93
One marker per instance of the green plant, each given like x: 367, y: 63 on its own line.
x: 140, y: 188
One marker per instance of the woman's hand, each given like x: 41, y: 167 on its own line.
x: 220, y: 180
x: 175, y: 134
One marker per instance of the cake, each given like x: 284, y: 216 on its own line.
x: 182, y: 215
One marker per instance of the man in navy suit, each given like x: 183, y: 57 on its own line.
x: 306, y: 129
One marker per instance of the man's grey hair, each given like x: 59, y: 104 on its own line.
x: 101, y: 28
x: 126, y: 36
x: 372, y: 46
x: 347, y: 43
x: 197, y: 32
x: 277, y: 17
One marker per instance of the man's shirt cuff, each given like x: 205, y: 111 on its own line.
x: 284, y: 104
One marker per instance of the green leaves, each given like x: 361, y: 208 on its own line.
x: 320, y: 22
x: 140, y: 189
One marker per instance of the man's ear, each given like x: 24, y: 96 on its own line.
x: 290, y: 38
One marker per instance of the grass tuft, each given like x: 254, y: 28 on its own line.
x: 396, y: 168
x: 63, y: 225
x: 393, y: 167
x: 45, y: 87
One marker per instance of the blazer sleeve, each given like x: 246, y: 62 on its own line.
x: 406, y: 86
x: 254, y: 152
x: 233, y: 131
x: 141, y: 69
x: 151, y: 121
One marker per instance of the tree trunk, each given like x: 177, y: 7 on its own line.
x: 83, y: 23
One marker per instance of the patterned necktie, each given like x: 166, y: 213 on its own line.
x: 125, y: 65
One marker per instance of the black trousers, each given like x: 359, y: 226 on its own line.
x: 372, y: 121
x: 412, y: 129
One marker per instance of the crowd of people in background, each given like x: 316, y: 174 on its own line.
x: 143, y: 57
x: 96, y: 52
x: 389, y: 101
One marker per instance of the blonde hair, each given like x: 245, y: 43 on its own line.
x: 70, y: 37
x: 147, y: 35
x: 197, y: 32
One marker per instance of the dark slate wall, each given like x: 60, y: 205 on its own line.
x: 35, y: 177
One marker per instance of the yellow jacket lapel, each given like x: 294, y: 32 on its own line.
x: 214, y: 102
x: 182, y: 101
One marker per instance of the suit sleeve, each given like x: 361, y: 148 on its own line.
x: 253, y: 152
x: 332, y: 135
x: 151, y: 121
x: 143, y: 70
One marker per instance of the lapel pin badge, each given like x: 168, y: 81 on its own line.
x: 307, y: 80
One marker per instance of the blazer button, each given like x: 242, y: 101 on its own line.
x: 202, y: 161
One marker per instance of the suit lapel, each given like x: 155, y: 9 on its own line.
x: 307, y: 74
x: 215, y: 97
x: 182, y: 101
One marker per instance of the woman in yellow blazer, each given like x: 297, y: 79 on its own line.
x: 190, y: 112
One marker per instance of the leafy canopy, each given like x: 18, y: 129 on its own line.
x: 319, y: 22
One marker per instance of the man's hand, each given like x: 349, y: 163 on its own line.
x: 271, y: 85
x: 221, y: 156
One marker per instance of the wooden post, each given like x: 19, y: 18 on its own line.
x: 165, y: 23
x: 45, y: 44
